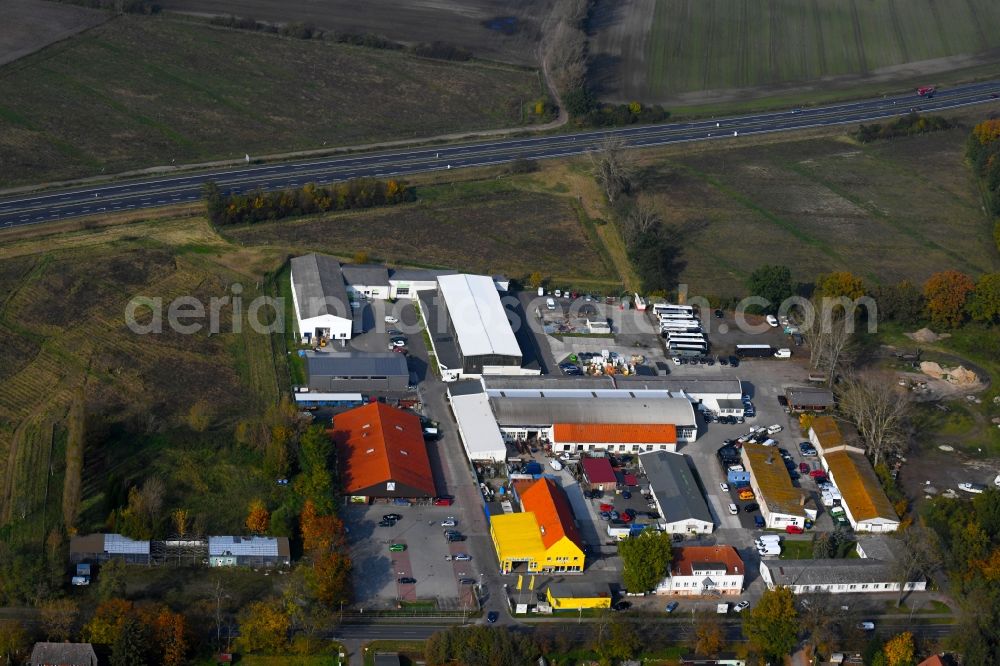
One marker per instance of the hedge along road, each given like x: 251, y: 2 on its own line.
x: 169, y: 190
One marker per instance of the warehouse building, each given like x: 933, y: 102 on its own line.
x: 367, y: 280
x: 322, y: 307
x: 543, y: 537
x: 720, y: 395
x: 781, y: 503
x: 381, y: 454
x: 873, y: 571
x: 616, y: 437
x: 344, y: 372
x: 96, y: 548
x: 675, y: 491
x: 477, y: 427
x: 248, y: 551
x: 825, y: 435
x: 472, y: 336
x: 704, y: 570
x: 809, y: 399
x: 864, y: 502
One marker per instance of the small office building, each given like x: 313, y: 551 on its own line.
x: 704, y: 570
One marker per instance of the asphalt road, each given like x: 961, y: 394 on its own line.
x: 167, y: 190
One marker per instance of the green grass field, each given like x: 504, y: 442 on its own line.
x: 485, y: 226
x: 695, y: 45
x: 144, y: 91
x: 886, y: 211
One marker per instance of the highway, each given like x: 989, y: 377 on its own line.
x: 53, y: 205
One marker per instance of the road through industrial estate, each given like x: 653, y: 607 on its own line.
x: 124, y: 195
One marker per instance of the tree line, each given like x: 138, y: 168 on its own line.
x: 259, y: 206
x: 908, y: 125
x: 983, y: 152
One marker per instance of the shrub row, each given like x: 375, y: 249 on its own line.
x: 908, y: 125
x: 586, y: 110
x: 259, y: 206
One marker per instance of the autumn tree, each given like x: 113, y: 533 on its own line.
x: 535, y: 280
x: 646, y: 559
x: 918, y: 556
x: 772, y: 625
x: 946, y: 294
x: 613, y: 167
x: 619, y: 642
x: 59, y: 617
x: 264, y: 627
x: 479, y: 645
x: 709, y: 638
x: 258, y: 518
x: 73, y: 479
x: 315, y: 482
x: 170, y: 635
x: 878, y: 409
x: 902, y: 302
x: 200, y: 416
x: 181, y: 521
x: 823, y: 620
x: 361, y: 257
x: 840, y: 284
x: 985, y: 303
x: 899, y: 650
x: 328, y: 578
x: 107, y: 621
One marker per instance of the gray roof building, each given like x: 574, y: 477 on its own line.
x: 418, y: 274
x: 682, y: 506
x: 63, y: 654
x: 546, y: 411
x: 353, y: 371
x: 319, y: 287
x: 369, y: 275
x: 809, y: 398
x: 249, y: 550
x: 102, y: 547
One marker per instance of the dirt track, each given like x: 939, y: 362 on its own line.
x: 461, y: 22
x: 29, y: 25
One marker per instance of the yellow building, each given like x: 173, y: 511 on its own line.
x: 563, y: 595
x: 543, y: 536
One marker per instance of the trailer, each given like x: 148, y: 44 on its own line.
x: 754, y: 351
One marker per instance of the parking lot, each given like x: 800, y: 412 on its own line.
x: 428, y: 558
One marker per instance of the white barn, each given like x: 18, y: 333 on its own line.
x: 322, y: 308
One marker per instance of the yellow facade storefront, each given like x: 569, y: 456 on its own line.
x: 563, y: 596
x: 517, y: 539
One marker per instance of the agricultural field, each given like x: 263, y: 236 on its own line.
x: 138, y: 92
x: 504, y: 30
x: 887, y: 211
x: 686, y: 52
x: 63, y: 322
x: 30, y: 25
x: 487, y: 226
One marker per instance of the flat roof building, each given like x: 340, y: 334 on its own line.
x: 565, y: 594
x: 809, y: 399
x: 104, y: 547
x: 478, y: 320
x: 477, y: 428
x: 825, y: 435
x: 248, y: 551
x: 678, y: 498
x: 322, y: 307
x: 381, y: 453
x: 337, y: 372
x: 781, y: 503
x: 62, y: 654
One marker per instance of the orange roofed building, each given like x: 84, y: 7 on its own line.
x: 381, y: 453
x: 614, y: 437
x: 704, y: 570
x: 543, y: 537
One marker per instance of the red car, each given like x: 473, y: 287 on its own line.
x: 793, y: 529
x: 443, y: 501
x: 607, y: 507
x: 817, y: 474
x: 804, y: 468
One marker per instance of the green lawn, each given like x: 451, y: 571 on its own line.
x: 691, y: 46
x: 145, y: 91
x: 820, y: 205
x: 796, y: 550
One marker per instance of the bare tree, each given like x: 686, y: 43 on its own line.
x: 917, y: 555
x: 613, y: 167
x: 822, y: 619
x: 878, y: 409
x: 641, y: 218
x: 830, y: 338
x: 566, y: 56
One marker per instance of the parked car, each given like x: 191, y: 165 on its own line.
x: 397, y: 548
x: 758, y: 522
x: 866, y: 625
x: 463, y: 557
x: 450, y: 522
x: 443, y: 501
x: 626, y: 494
x: 607, y: 507
x: 734, y: 361
x: 724, y: 487
x: 389, y: 319
x: 605, y: 515
x: 671, y: 607
x: 398, y: 341
x: 747, y: 494
x: 452, y: 538
x: 793, y: 529
x: 733, y: 510
x: 622, y: 606
x: 466, y: 581
x: 772, y: 321
x: 392, y: 516
x: 386, y: 523
x: 492, y: 617
x: 751, y: 507
x: 774, y: 429
x: 804, y: 468
x: 740, y: 607
x: 406, y: 580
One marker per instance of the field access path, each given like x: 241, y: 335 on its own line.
x: 52, y: 205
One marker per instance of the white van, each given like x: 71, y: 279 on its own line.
x: 769, y: 551
x: 784, y: 352
x: 774, y: 429
x: 555, y: 464
x: 550, y: 304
